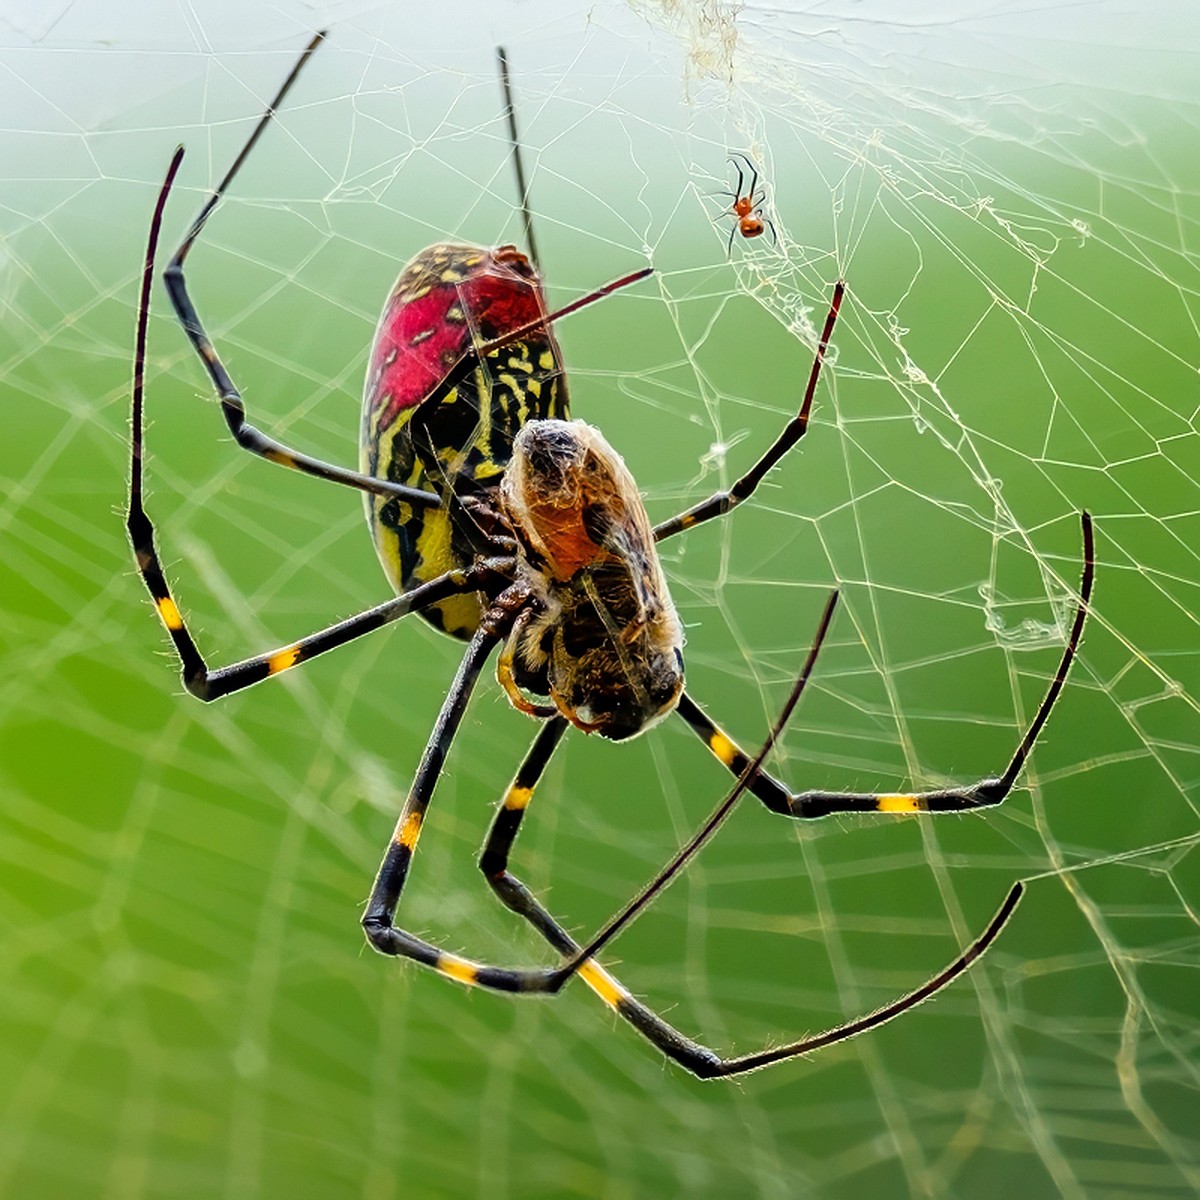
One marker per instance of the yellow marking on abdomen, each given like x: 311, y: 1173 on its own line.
x: 457, y: 968
x: 518, y: 797
x: 169, y: 613
x: 408, y: 833
x: 898, y: 804
x: 278, y: 456
x: 723, y: 748
x: 282, y: 659
x: 602, y: 983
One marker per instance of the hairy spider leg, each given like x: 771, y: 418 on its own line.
x: 718, y: 504
x: 205, y: 683
x: 692, y: 1055
x: 510, y: 113
x: 379, y: 919
x: 986, y: 793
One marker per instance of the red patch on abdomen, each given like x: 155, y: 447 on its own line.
x: 417, y: 342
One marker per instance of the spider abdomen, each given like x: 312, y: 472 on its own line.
x: 605, y: 643
x: 437, y: 420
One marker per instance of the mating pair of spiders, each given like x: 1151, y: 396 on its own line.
x: 513, y: 528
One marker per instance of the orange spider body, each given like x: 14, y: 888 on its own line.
x: 750, y: 222
x: 747, y: 208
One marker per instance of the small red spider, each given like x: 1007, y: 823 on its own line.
x: 747, y: 207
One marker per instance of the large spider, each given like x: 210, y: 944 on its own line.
x: 509, y: 526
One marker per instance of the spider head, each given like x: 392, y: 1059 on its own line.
x: 599, y: 694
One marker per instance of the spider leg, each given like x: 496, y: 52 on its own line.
x: 510, y: 114
x: 738, y: 191
x: 246, y: 435
x: 984, y: 794
x: 721, y: 502
x: 198, y: 678
x: 379, y: 919
x: 707, y: 1064
x: 493, y: 859
x: 693, y: 1056
x: 493, y: 862
x: 210, y: 684
x: 753, y: 172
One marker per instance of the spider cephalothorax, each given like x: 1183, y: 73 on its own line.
x: 603, y: 640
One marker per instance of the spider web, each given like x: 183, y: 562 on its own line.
x: 1013, y: 201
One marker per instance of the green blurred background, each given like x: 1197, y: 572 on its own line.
x: 187, y: 1006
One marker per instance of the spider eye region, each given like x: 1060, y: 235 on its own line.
x: 607, y: 645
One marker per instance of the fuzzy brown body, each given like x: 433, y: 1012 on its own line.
x: 603, y: 640
x: 438, y: 419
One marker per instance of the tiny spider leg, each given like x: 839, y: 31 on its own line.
x: 741, y: 190
x: 203, y: 682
